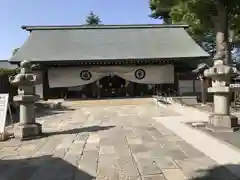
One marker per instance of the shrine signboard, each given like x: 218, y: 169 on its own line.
x: 3, y: 111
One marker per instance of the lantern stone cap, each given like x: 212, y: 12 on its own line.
x: 26, y: 98
x: 25, y: 63
x: 220, y: 69
x: 25, y: 66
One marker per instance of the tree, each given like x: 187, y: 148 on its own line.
x: 203, y: 17
x: 92, y: 19
x: 207, y: 42
x: 15, y: 50
x: 236, y: 55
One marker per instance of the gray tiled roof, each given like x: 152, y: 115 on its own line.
x: 107, y: 43
x: 4, y: 64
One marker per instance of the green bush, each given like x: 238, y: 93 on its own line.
x: 5, y: 86
x: 7, y: 71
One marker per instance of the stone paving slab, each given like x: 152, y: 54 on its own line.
x: 225, y: 156
x: 120, y: 141
x: 231, y: 138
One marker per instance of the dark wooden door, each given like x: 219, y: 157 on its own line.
x: 112, y: 86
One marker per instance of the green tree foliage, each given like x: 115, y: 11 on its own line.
x: 204, y: 17
x: 7, y: 71
x: 200, y: 15
x: 92, y: 19
x: 236, y: 55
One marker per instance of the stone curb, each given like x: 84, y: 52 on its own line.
x: 226, y: 153
x: 185, y: 110
x: 219, y: 151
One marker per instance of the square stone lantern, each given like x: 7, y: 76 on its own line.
x: 221, y: 119
x: 25, y: 81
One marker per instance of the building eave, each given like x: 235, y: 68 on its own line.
x: 108, y: 43
x: 128, y: 26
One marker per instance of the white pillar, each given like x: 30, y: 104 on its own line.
x: 39, y: 87
x: 39, y: 90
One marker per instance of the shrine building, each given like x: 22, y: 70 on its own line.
x: 111, y: 60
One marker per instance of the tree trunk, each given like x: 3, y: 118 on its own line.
x: 221, y: 26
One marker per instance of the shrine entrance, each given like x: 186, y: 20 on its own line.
x: 112, y: 86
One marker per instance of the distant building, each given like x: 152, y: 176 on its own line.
x: 5, y: 64
x: 6, y: 69
x: 111, y: 60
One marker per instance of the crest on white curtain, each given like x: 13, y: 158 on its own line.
x: 85, y: 75
x: 140, y: 74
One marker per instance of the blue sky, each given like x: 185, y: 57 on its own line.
x: 15, y: 13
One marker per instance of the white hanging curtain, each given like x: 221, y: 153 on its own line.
x: 149, y: 74
x: 39, y: 87
x: 75, y: 76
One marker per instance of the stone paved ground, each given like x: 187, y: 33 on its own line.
x: 105, y: 140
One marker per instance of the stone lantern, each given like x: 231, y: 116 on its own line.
x: 221, y: 119
x: 25, y: 81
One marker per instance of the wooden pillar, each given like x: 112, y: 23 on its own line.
x: 194, y: 85
x: 126, y: 87
x: 203, y: 89
x: 94, y: 89
x: 45, y: 82
x: 130, y: 88
x: 98, y: 89
x: 160, y: 90
x: 206, y: 85
x: 176, y: 82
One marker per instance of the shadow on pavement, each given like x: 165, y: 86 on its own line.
x: 43, y: 167
x: 79, y: 130
x: 50, y: 109
x: 219, y: 173
x: 41, y: 110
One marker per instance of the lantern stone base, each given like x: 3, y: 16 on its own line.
x: 223, y: 123
x: 28, y: 131
x: 5, y: 136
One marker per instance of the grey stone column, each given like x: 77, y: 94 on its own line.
x: 26, y: 80
x: 221, y: 119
